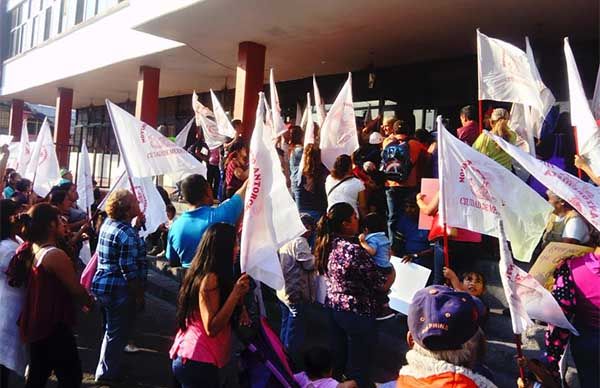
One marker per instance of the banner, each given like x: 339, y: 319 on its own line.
x: 588, y: 134
x: 338, y: 133
x: 279, y: 127
x: 319, y: 104
x: 547, y: 262
x: 151, y: 203
x: 181, y: 138
x: 271, y: 217
x: 85, y: 186
x: 149, y: 153
x: 526, y: 298
x: 43, y: 169
x: 476, y: 191
x: 583, y: 196
x: 505, y: 74
x: 223, y: 123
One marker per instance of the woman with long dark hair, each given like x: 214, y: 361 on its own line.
x: 353, y: 283
x: 53, y: 291
x: 207, y: 299
x: 13, y: 354
x: 310, y: 196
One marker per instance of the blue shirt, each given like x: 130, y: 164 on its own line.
x: 187, y: 231
x: 382, y: 244
x: 415, y: 239
x: 121, y: 258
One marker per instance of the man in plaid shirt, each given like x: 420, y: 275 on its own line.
x: 119, y: 278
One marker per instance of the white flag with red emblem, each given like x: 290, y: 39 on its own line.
x: 278, y: 124
x: 475, y: 190
x: 505, y: 74
x: 43, y: 168
x: 210, y: 129
x: 224, y: 125
x: 146, y: 152
x: 338, y: 133
x: 271, y: 217
x: 588, y: 132
x: 527, y: 298
x: 583, y: 196
x: 151, y: 203
x: 319, y: 104
x: 85, y: 186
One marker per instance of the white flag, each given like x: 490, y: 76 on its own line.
x: 309, y: 136
x: 588, y: 134
x: 210, y: 129
x: 182, y: 136
x: 319, y: 104
x: 521, y: 121
x: 299, y: 115
x: 546, y: 95
x: 85, y: 186
x: 596, y: 98
x: 146, y: 152
x: 43, y: 168
x: 151, y: 203
x: 271, y: 218
x: 583, y: 196
x: 338, y: 133
x: 278, y: 124
x: 527, y: 298
x: 504, y: 73
x: 476, y: 190
x: 223, y: 123
x: 24, y: 151
x: 5, y: 139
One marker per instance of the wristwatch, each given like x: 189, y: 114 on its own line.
x: 415, y: 256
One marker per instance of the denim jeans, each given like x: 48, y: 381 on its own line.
x: 58, y: 353
x: 117, y: 313
x: 353, y: 338
x: 193, y: 374
x: 293, y: 326
x: 397, y: 197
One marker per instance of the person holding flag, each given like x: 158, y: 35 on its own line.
x: 576, y: 291
x: 486, y: 146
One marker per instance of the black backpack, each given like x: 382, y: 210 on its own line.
x: 395, y: 162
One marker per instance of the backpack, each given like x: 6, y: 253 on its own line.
x: 395, y: 161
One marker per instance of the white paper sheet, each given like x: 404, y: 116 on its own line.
x: 410, y: 278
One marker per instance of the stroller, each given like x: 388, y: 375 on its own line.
x: 265, y: 360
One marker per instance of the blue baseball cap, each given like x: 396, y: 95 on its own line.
x: 441, y: 318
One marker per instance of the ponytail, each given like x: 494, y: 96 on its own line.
x: 328, y: 226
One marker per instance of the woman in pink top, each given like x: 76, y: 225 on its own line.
x: 207, y: 299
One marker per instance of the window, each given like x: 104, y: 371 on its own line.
x: 34, y: 31
x: 48, y: 23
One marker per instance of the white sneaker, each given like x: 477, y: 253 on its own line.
x: 131, y: 349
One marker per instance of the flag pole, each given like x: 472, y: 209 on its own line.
x: 480, y: 116
x: 520, y: 355
x: 576, y: 149
x: 446, y: 255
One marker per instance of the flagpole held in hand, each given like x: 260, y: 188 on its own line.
x: 480, y: 116
x: 519, y: 355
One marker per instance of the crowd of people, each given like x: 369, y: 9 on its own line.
x: 357, y: 216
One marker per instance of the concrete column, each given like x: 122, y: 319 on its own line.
x: 146, y: 103
x: 16, y: 119
x: 249, y: 81
x: 62, y: 125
